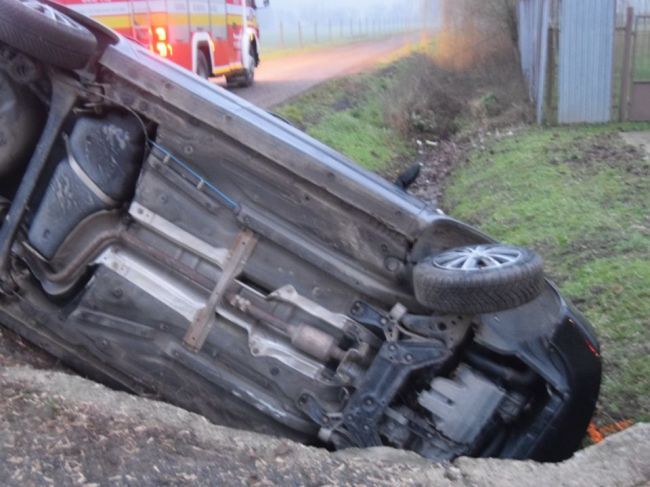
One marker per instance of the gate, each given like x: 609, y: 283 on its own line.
x: 586, y: 53
x: 639, y: 109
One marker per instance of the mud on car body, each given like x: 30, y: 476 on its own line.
x: 163, y: 235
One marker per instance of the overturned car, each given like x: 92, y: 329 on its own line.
x: 165, y: 236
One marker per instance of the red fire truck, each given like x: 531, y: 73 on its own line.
x: 208, y: 37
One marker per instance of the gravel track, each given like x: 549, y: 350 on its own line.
x: 280, y: 79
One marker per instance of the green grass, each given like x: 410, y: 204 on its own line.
x: 582, y: 199
x: 348, y: 115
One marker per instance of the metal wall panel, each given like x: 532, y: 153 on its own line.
x: 585, y: 60
x: 534, y: 20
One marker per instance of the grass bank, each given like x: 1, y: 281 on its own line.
x: 580, y: 197
x: 383, y: 117
x: 348, y: 114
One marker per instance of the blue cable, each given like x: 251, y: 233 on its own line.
x: 229, y: 202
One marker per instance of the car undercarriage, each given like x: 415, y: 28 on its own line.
x: 167, y: 237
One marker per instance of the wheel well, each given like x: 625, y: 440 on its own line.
x: 205, y: 49
x: 254, y: 51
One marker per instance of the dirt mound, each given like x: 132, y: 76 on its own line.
x: 63, y: 430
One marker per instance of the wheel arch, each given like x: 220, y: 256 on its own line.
x: 250, y: 44
x: 202, y: 42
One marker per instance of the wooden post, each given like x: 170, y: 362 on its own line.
x: 315, y: 32
x: 626, y: 74
x: 329, y: 29
x: 300, y: 34
x: 281, y: 35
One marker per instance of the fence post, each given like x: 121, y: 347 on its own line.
x: 282, y: 35
x: 315, y: 32
x: 543, y: 59
x: 551, y: 78
x: 329, y: 28
x: 300, y: 34
x: 626, y: 74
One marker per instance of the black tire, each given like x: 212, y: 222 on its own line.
x: 4, y: 208
x: 248, y: 78
x: 58, y: 41
x: 489, y: 284
x: 233, y: 81
x: 202, y: 65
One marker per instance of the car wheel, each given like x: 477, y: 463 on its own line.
x: 478, y: 279
x: 202, y: 65
x: 4, y: 208
x: 45, y: 33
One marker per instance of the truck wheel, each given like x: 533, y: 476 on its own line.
x: 478, y: 279
x: 45, y: 33
x: 202, y: 65
x: 248, y: 77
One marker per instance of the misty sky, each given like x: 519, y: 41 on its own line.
x: 333, y: 9
x: 281, y: 20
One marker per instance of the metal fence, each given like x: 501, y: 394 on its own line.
x: 290, y: 34
x: 580, y: 61
x: 585, y: 55
x: 534, y: 19
x: 640, y: 7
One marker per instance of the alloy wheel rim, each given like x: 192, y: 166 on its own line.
x: 478, y: 257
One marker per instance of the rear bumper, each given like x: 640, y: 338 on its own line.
x: 569, y: 360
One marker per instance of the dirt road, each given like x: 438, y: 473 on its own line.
x: 277, y: 80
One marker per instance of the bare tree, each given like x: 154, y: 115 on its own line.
x: 473, y: 29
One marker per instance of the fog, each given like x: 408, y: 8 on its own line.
x: 283, y: 21
x: 310, y: 10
